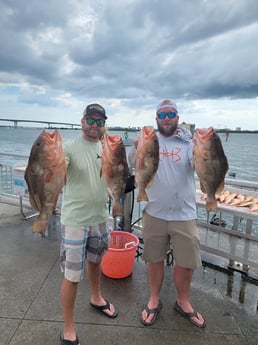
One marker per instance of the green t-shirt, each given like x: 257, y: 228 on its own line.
x: 84, y: 194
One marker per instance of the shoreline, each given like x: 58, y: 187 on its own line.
x: 130, y: 129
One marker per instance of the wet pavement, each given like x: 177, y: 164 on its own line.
x: 30, y: 310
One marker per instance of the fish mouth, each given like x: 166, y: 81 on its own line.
x: 113, y: 140
x: 204, y: 132
x: 50, y: 137
x: 148, y: 132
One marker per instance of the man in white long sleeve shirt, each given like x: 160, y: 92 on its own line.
x: 170, y: 217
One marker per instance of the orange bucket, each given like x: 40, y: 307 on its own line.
x: 119, y: 259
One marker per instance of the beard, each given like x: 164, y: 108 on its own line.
x: 167, y: 131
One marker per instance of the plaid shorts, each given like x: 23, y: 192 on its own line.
x: 79, y: 244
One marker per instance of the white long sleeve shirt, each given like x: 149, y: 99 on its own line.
x: 172, y: 196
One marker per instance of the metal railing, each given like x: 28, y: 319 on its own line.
x: 12, y: 183
x: 231, y: 233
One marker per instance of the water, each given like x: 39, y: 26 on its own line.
x: 242, y: 154
x: 20, y: 140
x: 240, y: 149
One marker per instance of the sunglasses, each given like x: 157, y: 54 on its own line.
x: 90, y: 121
x: 170, y: 115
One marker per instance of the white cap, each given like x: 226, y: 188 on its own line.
x: 166, y: 104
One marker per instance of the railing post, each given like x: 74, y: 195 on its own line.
x: 233, y: 240
x: 248, y: 230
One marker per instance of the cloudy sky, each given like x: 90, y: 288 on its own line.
x: 57, y: 56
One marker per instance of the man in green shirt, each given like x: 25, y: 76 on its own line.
x: 84, y: 234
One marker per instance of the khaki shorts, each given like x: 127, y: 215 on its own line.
x: 182, y: 236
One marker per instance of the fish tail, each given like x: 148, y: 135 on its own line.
x: 40, y: 226
x: 142, y: 196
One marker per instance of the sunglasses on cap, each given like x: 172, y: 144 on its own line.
x: 90, y: 121
x: 170, y: 115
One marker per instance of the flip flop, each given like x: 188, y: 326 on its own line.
x: 104, y: 307
x: 154, y: 311
x: 189, y: 316
x: 69, y: 342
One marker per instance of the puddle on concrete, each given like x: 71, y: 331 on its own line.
x: 236, y: 286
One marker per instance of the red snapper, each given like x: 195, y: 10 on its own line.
x: 45, y: 176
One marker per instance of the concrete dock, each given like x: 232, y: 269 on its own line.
x: 30, y: 311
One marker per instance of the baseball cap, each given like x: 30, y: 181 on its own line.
x: 166, y: 104
x: 94, y: 108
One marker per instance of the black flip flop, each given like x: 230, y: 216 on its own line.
x: 104, y: 307
x: 69, y: 342
x: 189, y: 316
x: 154, y: 311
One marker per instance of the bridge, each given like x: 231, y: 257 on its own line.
x: 49, y: 124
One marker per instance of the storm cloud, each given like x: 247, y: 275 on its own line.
x: 57, y: 56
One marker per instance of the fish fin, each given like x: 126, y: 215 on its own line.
x: 34, y: 203
x: 110, y: 194
x: 202, y: 187
x: 107, y: 172
x: 150, y: 183
x: 141, y: 165
x: 117, y: 209
x: 204, y: 196
x: 142, y: 196
x: 220, y: 188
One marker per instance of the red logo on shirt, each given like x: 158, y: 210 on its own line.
x: 173, y: 154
